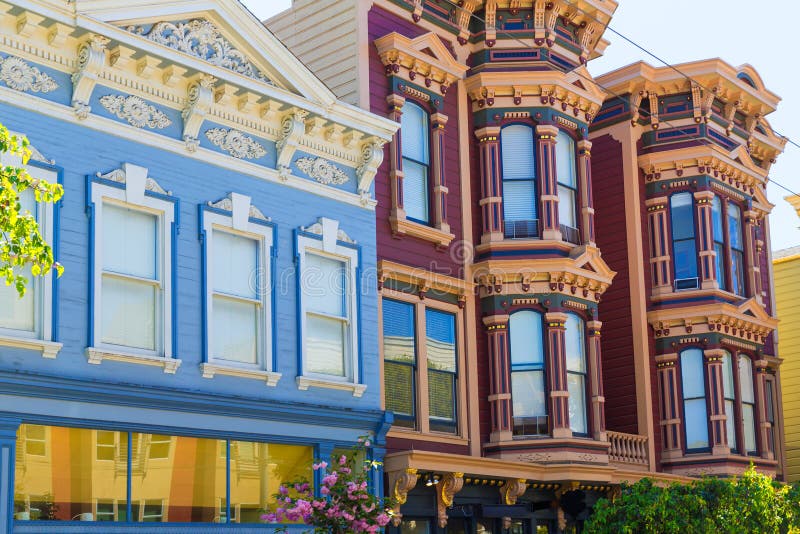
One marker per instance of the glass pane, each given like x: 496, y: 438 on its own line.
x: 235, y: 330
x: 67, y: 481
x: 516, y: 150
x: 565, y: 159
x: 525, y: 336
x: 398, y: 331
x: 696, y: 418
x: 235, y: 264
x: 129, y: 241
x: 566, y: 207
x: 682, y: 206
x: 519, y: 200
x: 727, y: 376
x: 18, y: 313
x: 399, y: 388
x: 122, y: 301
x: 440, y: 330
x: 441, y: 388
x: 685, y: 259
x: 692, y: 373
x: 414, y: 133
x: 735, y: 226
x: 716, y: 219
x: 415, y: 190
x: 325, y: 343
x: 746, y: 379
x: 527, y: 392
x: 257, y: 471
x: 577, y: 403
x: 575, y: 345
x: 415, y: 526
x: 730, y: 424
x: 719, y: 248
x: 749, y: 422
x: 324, y: 285
x: 176, y: 479
x: 737, y: 272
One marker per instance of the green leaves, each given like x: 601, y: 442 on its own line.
x: 22, y: 247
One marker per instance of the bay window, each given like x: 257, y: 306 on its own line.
x: 737, y: 249
x: 415, y: 147
x: 695, y: 411
x: 528, y: 393
x: 684, y: 247
x: 575, y: 348
x: 519, y: 182
x: 748, y: 404
x: 567, y: 185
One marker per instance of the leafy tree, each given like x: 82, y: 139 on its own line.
x: 22, y: 247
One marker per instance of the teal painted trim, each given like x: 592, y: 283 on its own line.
x: 436, y: 99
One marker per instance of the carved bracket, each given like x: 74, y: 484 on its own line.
x: 91, y: 60
x: 371, y: 159
x: 401, y: 482
x: 200, y: 98
x: 450, y: 485
x: 510, y: 491
x: 293, y: 127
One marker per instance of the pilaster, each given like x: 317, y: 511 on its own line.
x: 764, y: 427
x: 752, y: 265
x: 499, y: 377
x: 660, y: 260
x: 708, y: 271
x: 491, y: 201
x: 585, y: 184
x: 8, y: 444
x: 438, y: 121
x: 395, y: 157
x: 716, y: 401
x: 596, y: 381
x: 669, y: 405
x: 548, y: 184
x: 557, y: 374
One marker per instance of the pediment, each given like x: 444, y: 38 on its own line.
x: 589, y: 259
x: 427, y: 50
x: 750, y: 307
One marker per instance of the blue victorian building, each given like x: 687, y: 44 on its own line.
x: 214, y: 330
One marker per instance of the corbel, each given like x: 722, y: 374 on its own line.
x: 653, y: 110
x: 490, y: 17
x: 464, y: 16
x: 352, y: 138
x: 552, y: 20
x: 416, y: 14
x: 172, y: 75
x: 697, y: 103
x: 57, y: 34
x: 729, y: 112
x: 146, y: 66
x: 708, y: 102
x: 120, y: 56
x: 400, y: 483
x: 247, y: 102
x: 200, y: 98
x: 371, y: 159
x: 91, y: 60
x: 446, y: 491
x: 510, y: 491
x: 314, y: 126
x: 269, y: 111
x: 635, y: 100
x: 27, y: 22
x: 333, y: 134
x: 586, y: 36
x: 292, y: 130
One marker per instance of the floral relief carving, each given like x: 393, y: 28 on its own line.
x: 201, y: 38
x: 119, y: 176
x: 19, y: 75
x: 136, y: 111
x: 322, y: 170
x: 226, y: 204
x: 236, y: 143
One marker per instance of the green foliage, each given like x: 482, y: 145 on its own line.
x: 22, y: 247
x: 752, y: 503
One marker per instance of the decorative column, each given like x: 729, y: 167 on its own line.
x: 446, y: 490
x: 396, y: 158
x: 596, y: 381
x: 499, y: 377
x: 764, y: 426
x: 660, y: 264
x: 752, y: 265
x: 491, y: 189
x: 438, y: 120
x: 705, y: 239
x: 716, y: 401
x: 510, y: 491
x: 669, y: 405
x: 587, y: 200
x: 548, y: 183
x: 8, y: 444
x: 557, y: 374
x: 400, y: 483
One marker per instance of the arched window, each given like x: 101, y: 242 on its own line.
x: 737, y: 248
x: 527, y: 373
x: 575, y: 348
x: 683, y: 242
x: 729, y: 392
x: 748, y: 403
x: 695, y: 412
x: 567, y: 180
x: 414, y: 137
x: 519, y: 182
x: 719, y: 240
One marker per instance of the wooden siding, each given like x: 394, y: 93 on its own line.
x: 787, y: 293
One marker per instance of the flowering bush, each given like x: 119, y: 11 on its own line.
x: 345, y: 504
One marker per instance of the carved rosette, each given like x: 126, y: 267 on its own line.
x: 136, y: 111
x: 401, y: 482
x: 19, y: 75
x: 322, y: 170
x: 236, y: 143
x: 450, y: 484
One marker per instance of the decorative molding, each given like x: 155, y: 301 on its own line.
x: 36, y: 155
x: 136, y: 111
x: 305, y: 382
x: 49, y: 349
x: 96, y: 356
x: 120, y: 176
x: 322, y: 170
x: 402, y: 226
x: 292, y: 130
x: 199, y: 99
x: 91, y: 60
x: 371, y: 159
x: 318, y: 228
x: 400, y: 483
x: 202, y: 39
x: 446, y: 490
x: 209, y: 370
x: 236, y: 143
x: 20, y: 75
x: 226, y: 204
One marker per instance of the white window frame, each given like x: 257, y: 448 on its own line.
x: 133, y: 196
x: 41, y: 337
x: 326, y: 239
x: 239, y: 223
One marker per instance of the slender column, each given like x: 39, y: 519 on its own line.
x: 499, y: 377
x: 596, y: 381
x: 705, y: 239
x: 491, y: 189
x: 660, y: 261
x: 8, y: 444
x: 764, y: 427
x: 585, y: 183
x: 396, y: 158
x: 438, y: 120
x: 548, y: 184
x: 716, y: 401
x: 669, y: 405
x: 557, y: 374
x: 752, y: 265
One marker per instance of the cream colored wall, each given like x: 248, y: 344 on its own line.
x: 787, y: 295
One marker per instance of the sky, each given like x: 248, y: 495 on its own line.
x: 688, y: 30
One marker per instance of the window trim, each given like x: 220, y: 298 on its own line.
x: 575, y: 190
x: 740, y: 356
x: 426, y: 132
x: 585, y: 374
x: 544, y: 370
x: 536, y: 185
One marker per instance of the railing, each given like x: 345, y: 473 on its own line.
x: 627, y: 448
x: 523, y: 229
x: 570, y: 234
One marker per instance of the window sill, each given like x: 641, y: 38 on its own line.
x: 402, y: 226
x: 49, y: 349
x: 96, y: 356
x: 211, y: 369
x: 304, y: 382
x: 438, y: 437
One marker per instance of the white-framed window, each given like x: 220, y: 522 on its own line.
x: 238, y: 251
x: 327, y: 277
x: 132, y: 229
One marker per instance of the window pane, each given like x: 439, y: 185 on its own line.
x: 681, y: 207
x: 235, y: 330
x: 257, y: 471
x: 574, y: 344
x: 124, y: 300
x: 746, y: 379
x: 565, y: 159
x: 324, y: 285
x: 178, y: 486
x: 727, y: 375
x: 577, y: 403
x: 566, y: 207
x: 18, y: 313
x: 692, y: 373
x: 525, y: 336
x: 519, y: 200
x: 414, y: 133
x: 730, y: 424
x: 685, y: 259
x: 235, y: 264
x: 398, y: 331
x: 735, y: 226
x: 129, y: 241
x: 441, y: 400
x: 716, y: 218
x: 441, y: 340
x: 749, y: 422
x: 719, y: 248
x: 737, y: 272
x: 516, y: 150
x: 399, y: 388
x: 325, y: 342
x: 527, y: 392
x: 696, y: 419
x: 415, y: 190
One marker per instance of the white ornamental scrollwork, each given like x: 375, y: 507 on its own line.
x: 202, y: 39
x: 322, y: 170
x: 21, y: 76
x: 236, y: 143
x: 136, y: 111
